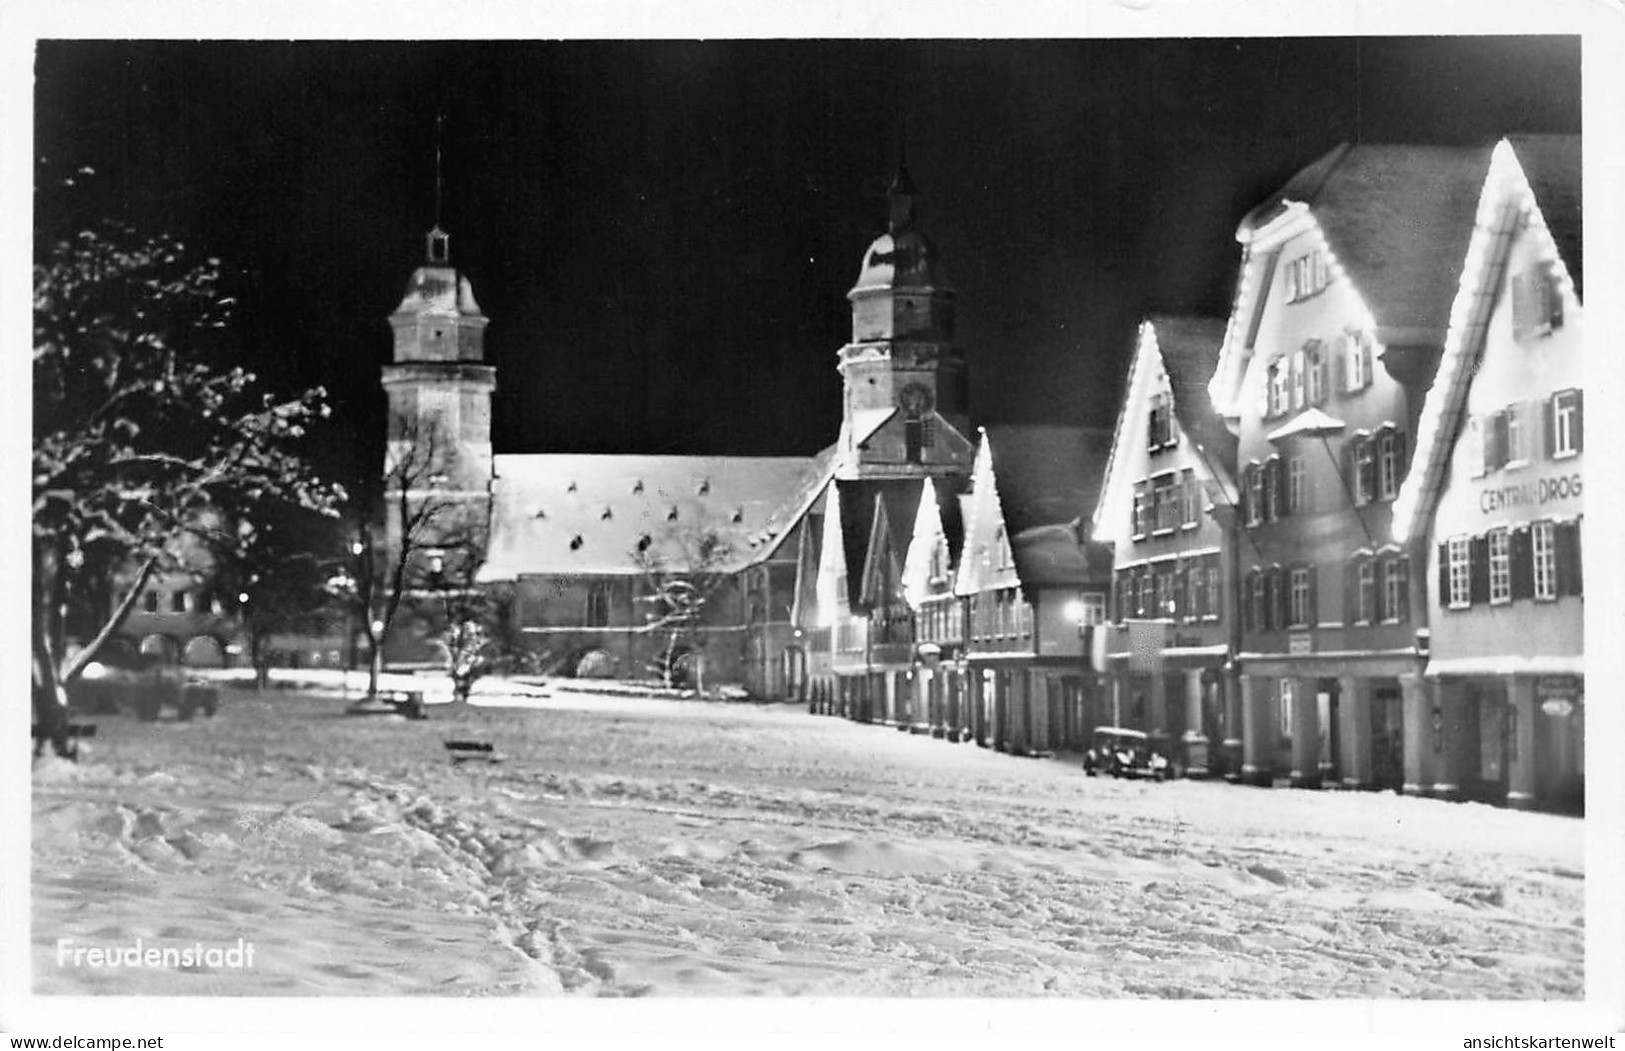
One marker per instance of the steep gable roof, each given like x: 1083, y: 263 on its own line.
x: 1551, y: 163
x: 1047, y: 479
x: 559, y: 514
x: 1397, y: 218
x: 858, y: 502
x: 1189, y: 348
x: 1442, y: 410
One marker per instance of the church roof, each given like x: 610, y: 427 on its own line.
x: 563, y: 514
x: 906, y: 259
x: 439, y: 290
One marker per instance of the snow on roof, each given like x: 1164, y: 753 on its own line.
x: 1047, y: 477
x: 1189, y: 347
x: 1310, y: 421
x: 439, y: 290
x: 560, y: 514
x: 904, y: 260
x: 1398, y: 218
x: 860, y: 501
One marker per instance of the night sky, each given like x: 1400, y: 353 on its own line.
x: 663, y: 233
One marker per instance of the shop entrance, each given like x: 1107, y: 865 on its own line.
x: 1387, y: 738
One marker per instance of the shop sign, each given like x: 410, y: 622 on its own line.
x: 1557, y: 687
x: 1558, y: 706
x: 1530, y: 494
x: 1300, y: 642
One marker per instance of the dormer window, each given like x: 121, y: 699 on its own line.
x: 607, y: 514
x: 705, y: 486
x: 637, y: 487
x: 1306, y: 275
x: 576, y: 542
x: 1160, y: 427
x: 1537, y: 302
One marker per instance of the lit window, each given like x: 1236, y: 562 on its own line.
x: 1500, y: 567
x: 1567, y: 430
x: 1094, y: 608
x: 1160, y: 430
x: 1302, y: 615
x: 1545, y: 557
x: 1165, y: 595
x: 1213, y: 592
x: 1395, y: 597
x: 1146, y: 604
x: 1459, y: 570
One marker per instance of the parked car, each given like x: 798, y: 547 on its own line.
x: 145, y: 689
x: 1124, y: 753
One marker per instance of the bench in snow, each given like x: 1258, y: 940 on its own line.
x: 465, y: 750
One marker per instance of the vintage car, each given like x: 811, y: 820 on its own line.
x: 1123, y: 753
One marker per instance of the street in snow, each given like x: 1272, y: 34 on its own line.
x: 630, y: 846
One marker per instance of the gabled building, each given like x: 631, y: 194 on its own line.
x: 1342, y: 310
x: 929, y: 570
x: 1033, y: 586
x: 1167, y: 508
x: 1496, y: 497
x: 903, y: 421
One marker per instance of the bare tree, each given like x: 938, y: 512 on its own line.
x: 433, y: 541
x: 142, y: 434
x: 683, y: 572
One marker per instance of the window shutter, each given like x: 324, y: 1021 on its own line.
x: 1247, y: 602
x: 1283, y: 597
x: 1579, y: 420
x: 1552, y: 296
x: 1569, y: 577
x: 1340, y: 356
x: 1312, y: 615
x: 1401, y: 465
x: 1279, y: 479
x: 1521, y: 312
x: 1478, y: 550
x: 1475, y: 446
x: 1522, y: 557
x: 1404, y: 592
x: 1549, y: 426
x: 1351, y: 589
x: 1495, y: 445
x: 1443, y: 582
x: 1348, y: 470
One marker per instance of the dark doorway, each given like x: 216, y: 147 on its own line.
x: 1387, y: 738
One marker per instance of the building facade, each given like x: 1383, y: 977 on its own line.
x: 1498, y: 498
x: 1335, y: 333
x: 1167, y: 508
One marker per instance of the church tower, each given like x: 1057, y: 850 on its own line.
x: 903, y: 373
x: 439, y: 389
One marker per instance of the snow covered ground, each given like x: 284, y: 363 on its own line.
x: 631, y: 846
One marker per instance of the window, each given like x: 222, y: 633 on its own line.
x: 1297, y: 486
x: 598, y: 605
x: 1500, y: 567
x: 1192, y: 510
x: 1395, y: 594
x: 1314, y: 364
x: 1167, y: 503
x: 1474, y: 439
x: 1302, y: 610
x: 1364, y: 472
x: 1195, y: 592
x: 1537, y: 302
x: 1255, y: 601
x: 1517, y: 436
x: 1280, y: 387
x: 177, y: 602
x: 1356, y: 361
x: 1125, y: 594
x: 1160, y: 429
x: 1565, y: 432
x: 1287, y: 686
x: 1305, y: 276
x: 1146, y: 603
x: 1255, y: 494
x: 1390, y: 453
x: 1006, y: 557
x: 1270, y: 620
x: 1544, y: 538
x: 1211, y: 611
x: 1164, y: 594
x: 1094, y: 608
x: 1142, y: 510
x: 1297, y: 381
x: 149, y: 602
x: 1459, y: 572
x: 1365, y: 591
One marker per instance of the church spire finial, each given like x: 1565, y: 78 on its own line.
x: 439, y: 242
x: 902, y: 194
